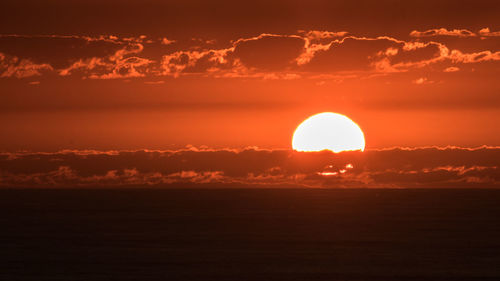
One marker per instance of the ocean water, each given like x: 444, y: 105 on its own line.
x: 244, y: 234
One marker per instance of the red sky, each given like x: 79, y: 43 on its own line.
x: 165, y: 75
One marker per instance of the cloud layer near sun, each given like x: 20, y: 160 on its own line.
x: 268, y: 56
x: 429, y: 167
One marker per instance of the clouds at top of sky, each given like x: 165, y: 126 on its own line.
x: 429, y: 167
x: 302, y: 54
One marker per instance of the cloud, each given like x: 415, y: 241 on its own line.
x: 154, y: 82
x: 310, y: 51
x: 451, y: 69
x: 318, y: 35
x: 59, y: 51
x: 458, y: 57
x: 120, y: 64
x: 370, y: 55
x: 349, y: 54
x: 421, y: 80
x: 443, y: 32
x: 269, y: 51
x: 486, y: 32
x: 426, y: 54
x: 263, y: 56
x: 20, y: 68
x: 428, y: 167
x: 182, y: 62
x: 267, y: 56
x: 165, y: 41
x: 91, y: 57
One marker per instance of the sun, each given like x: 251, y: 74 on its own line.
x: 328, y: 131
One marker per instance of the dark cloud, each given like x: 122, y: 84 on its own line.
x: 396, y: 168
x: 350, y: 54
x: 267, y: 56
x: 59, y: 51
x: 270, y: 52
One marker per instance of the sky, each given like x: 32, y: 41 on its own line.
x: 91, y: 79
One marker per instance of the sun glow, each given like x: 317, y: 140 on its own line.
x: 328, y: 131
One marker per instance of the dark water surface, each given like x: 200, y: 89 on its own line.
x: 249, y: 235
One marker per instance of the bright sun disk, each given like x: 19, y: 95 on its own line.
x: 328, y: 131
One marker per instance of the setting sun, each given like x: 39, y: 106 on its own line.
x: 225, y: 140
x: 328, y: 131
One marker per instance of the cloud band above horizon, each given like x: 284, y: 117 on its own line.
x: 429, y: 167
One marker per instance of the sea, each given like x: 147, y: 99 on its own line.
x: 249, y: 234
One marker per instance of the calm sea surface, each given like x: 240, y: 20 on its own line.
x: 286, y: 234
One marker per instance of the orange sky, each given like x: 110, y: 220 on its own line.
x: 231, y: 76
x: 212, y: 91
